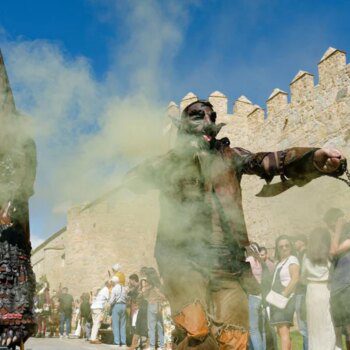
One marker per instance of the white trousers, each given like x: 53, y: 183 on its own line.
x: 96, y: 322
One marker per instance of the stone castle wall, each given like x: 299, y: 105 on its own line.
x: 124, y: 231
x: 49, y: 258
x: 121, y: 230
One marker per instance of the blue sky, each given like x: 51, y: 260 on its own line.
x: 262, y: 43
x: 73, y: 58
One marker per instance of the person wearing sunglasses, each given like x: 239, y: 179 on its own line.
x: 285, y: 280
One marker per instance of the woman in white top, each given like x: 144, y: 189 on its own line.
x: 286, y: 277
x: 315, y: 273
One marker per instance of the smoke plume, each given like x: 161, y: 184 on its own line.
x: 89, y: 131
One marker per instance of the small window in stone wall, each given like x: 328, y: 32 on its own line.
x: 63, y: 259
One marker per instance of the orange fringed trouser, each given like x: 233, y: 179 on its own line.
x: 233, y: 340
x: 213, y: 319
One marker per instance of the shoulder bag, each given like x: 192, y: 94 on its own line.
x: 275, y: 298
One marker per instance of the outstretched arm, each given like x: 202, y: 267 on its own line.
x: 148, y: 175
x: 299, y: 164
x: 139, y: 179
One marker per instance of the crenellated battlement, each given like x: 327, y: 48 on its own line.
x: 219, y: 102
x: 314, y: 112
x: 187, y: 100
x: 256, y: 115
x: 242, y: 106
x: 277, y: 101
x: 331, y: 63
x: 301, y: 89
x: 321, y: 108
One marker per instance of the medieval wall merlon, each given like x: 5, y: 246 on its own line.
x: 187, y: 100
x: 331, y: 63
x: 257, y: 115
x: 173, y: 110
x: 219, y: 102
x: 242, y: 106
x: 302, y: 89
x: 255, y: 123
x: 277, y: 101
x: 343, y: 104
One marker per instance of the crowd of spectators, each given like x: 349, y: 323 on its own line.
x: 307, y: 281
x: 135, y: 311
x: 54, y: 311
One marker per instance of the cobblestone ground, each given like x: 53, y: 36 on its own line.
x: 64, y: 344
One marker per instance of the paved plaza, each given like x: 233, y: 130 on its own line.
x: 64, y: 344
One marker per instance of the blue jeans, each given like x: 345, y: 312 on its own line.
x: 302, y: 325
x: 257, y: 335
x: 119, y: 324
x: 65, y: 319
x: 155, y: 323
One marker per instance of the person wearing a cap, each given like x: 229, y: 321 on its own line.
x: 300, y: 244
x: 116, y: 268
